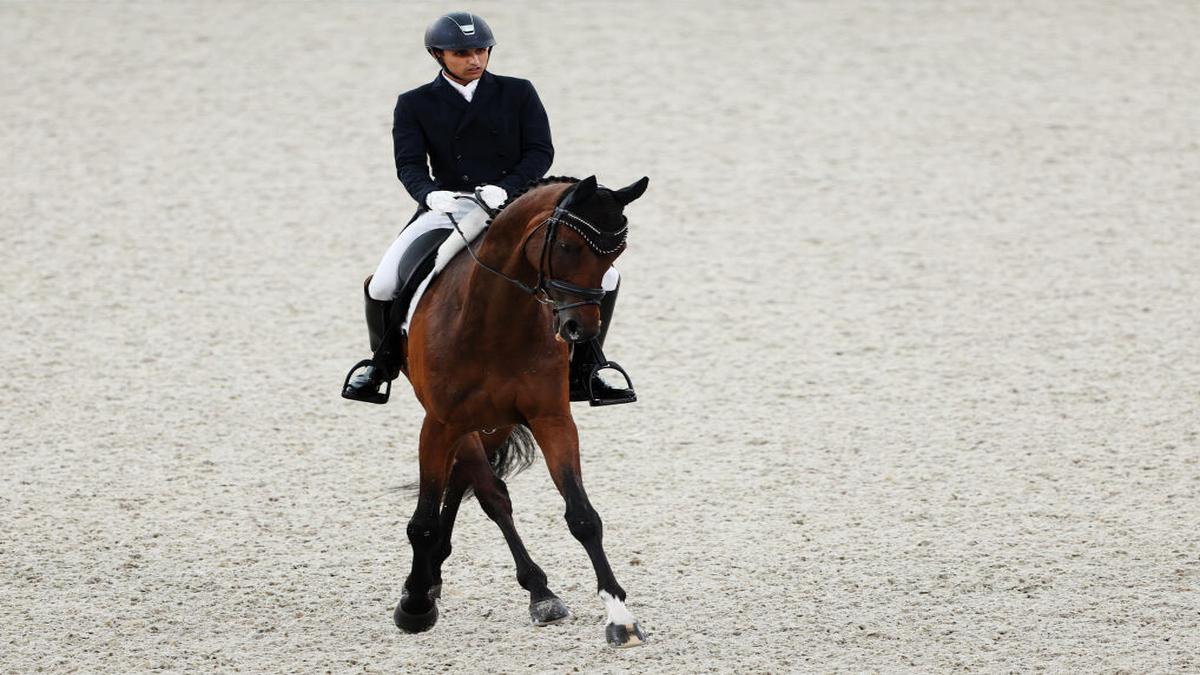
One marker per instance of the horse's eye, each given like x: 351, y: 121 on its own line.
x: 567, y: 248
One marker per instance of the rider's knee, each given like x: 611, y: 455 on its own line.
x: 382, y: 287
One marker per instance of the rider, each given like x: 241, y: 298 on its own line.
x: 477, y: 130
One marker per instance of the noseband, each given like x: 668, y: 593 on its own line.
x: 601, y: 242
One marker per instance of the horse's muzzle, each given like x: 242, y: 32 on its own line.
x: 570, y: 328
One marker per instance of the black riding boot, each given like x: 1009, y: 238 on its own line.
x: 373, y: 373
x: 587, y: 360
x: 416, y: 263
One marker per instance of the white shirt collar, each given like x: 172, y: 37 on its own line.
x: 467, y: 90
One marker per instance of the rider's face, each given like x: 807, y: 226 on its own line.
x: 464, y: 65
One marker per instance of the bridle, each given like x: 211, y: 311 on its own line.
x: 601, y: 242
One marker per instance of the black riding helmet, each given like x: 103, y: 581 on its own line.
x: 459, y: 30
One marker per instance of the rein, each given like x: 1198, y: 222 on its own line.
x: 546, y: 281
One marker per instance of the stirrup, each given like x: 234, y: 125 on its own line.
x: 380, y: 397
x: 593, y: 378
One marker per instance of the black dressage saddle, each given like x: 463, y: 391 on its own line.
x: 416, y: 264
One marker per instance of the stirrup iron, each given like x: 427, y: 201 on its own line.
x: 593, y: 378
x: 380, y: 397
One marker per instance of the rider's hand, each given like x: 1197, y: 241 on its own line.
x: 493, y: 195
x: 441, y: 201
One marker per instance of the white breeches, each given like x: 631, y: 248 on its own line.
x: 383, y: 283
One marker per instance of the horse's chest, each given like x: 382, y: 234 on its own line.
x: 483, y: 398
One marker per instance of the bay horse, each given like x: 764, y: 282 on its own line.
x: 487, y: 355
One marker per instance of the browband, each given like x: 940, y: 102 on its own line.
x: 598, y: 240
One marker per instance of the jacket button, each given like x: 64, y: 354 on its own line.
x: 458, y: 157
x: 504, y: 172
x: 466, y: 177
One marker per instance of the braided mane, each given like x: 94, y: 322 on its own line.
x: 548, y: 180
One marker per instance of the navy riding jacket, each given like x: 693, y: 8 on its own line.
x: 502, y: 137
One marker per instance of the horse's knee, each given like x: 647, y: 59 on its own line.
x: 584, y: 523
x: 423, y: 532
x: 380, y: 287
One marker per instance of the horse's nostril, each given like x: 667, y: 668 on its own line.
x: 571, y: 329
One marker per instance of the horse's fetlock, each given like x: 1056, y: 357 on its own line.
x: 532, y: 579
x: 612, y: 589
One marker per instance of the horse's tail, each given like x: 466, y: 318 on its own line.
x: 515, y: 454
x: 512, y: 456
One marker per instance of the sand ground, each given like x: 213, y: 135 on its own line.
x: 912, y: 307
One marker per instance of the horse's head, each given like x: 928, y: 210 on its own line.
x: 582, y: 238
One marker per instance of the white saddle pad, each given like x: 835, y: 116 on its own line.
x: 472, y: 225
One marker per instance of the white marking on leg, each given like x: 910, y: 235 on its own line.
x: 617, y: 612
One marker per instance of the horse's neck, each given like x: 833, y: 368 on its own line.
x: 493, y: 298
x: 500, y: 307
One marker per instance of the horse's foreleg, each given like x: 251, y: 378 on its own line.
x: 417, y: 609
x: 559, y: 441
x: 545, y: 607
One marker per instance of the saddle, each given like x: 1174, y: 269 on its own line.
x: 414, y: 268
x: 387, y: 322
x: 427, y: 255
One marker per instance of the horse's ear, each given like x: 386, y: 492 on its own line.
x: 631, y: 192
x: 583, y: 191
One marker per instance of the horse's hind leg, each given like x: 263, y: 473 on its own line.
x: 559, y: 441
x: 472, y: 469
x: 417, y: 609
x: 544, y: 606
x: 459, y: 482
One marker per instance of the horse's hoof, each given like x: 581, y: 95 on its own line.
x: 548, y: 611
x: 624, y: 635
x: 415, y: 623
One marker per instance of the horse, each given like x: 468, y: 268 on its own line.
x: 487, y: 354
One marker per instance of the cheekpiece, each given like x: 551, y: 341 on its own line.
x: 600, y: 241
